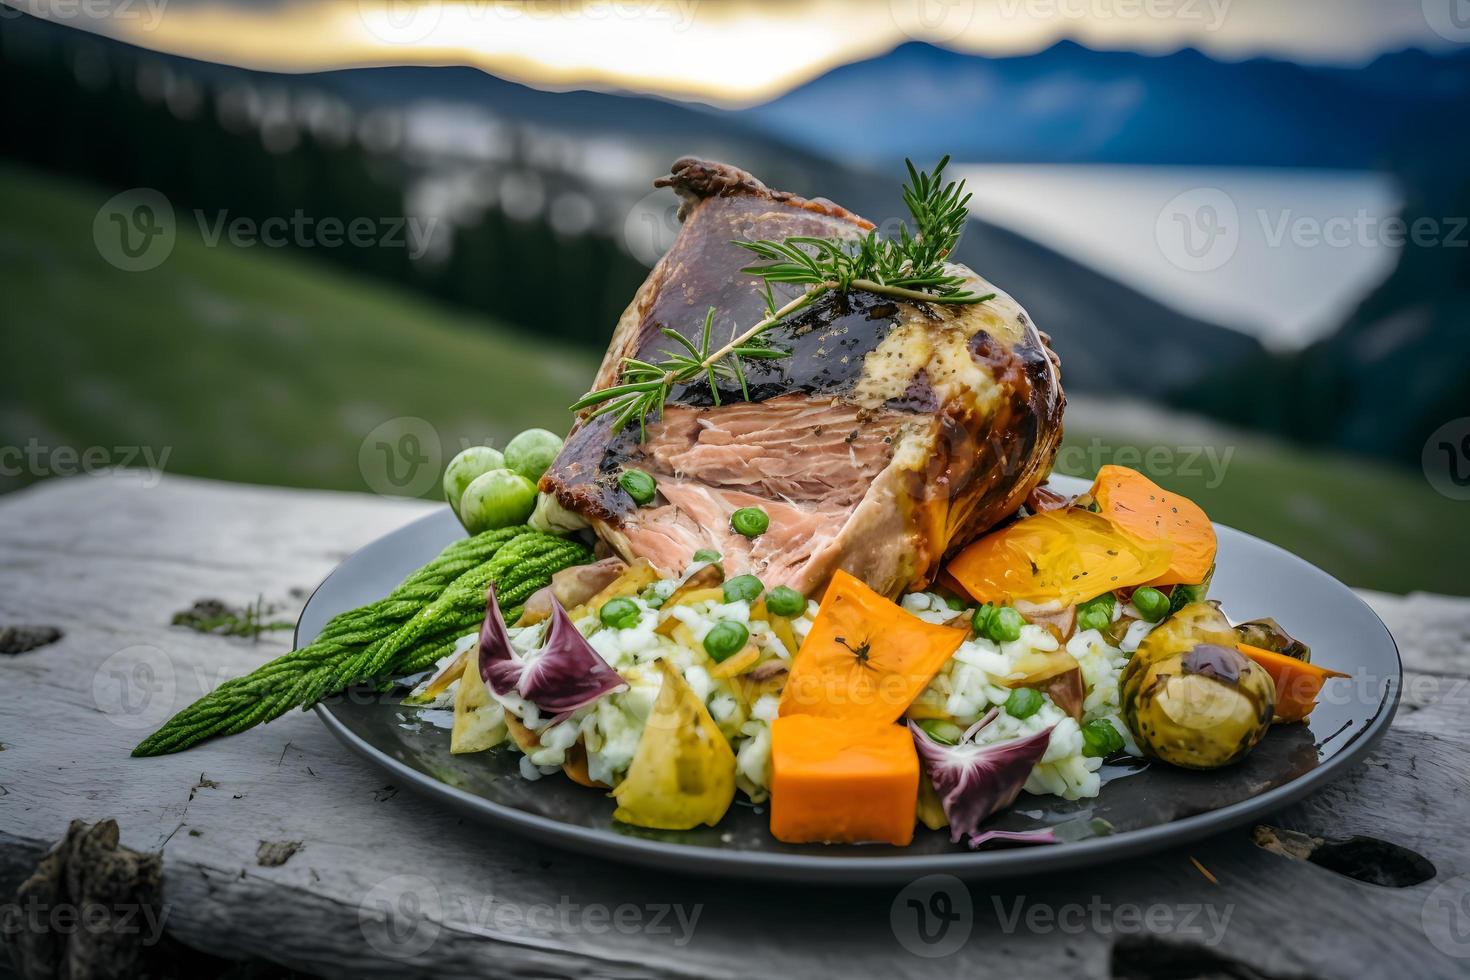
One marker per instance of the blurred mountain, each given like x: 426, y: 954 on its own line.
x: 1399, y: 366
x: 1071, y: 104
x: 540, y: 193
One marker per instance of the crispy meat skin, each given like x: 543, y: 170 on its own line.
x: 894, y: 432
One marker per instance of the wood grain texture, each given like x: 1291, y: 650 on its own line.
x: 110, y: 560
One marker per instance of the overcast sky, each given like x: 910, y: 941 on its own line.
x: 740, y: 50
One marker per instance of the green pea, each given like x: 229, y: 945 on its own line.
x: 745, y: 587
x: 638, y: 485
x: 943, y: 732
x: 706, y: 555
x: 1005, y: 625
x: 750, y: 521
x: 1151, y: 604
x: 1023, y: 703
x: 652, y: 596
x: 725, y: 639
x: 785, y: 601
x: 1100, y: 739
x: 955, y: 603
x: 619, y: 613
x: 1096, y: 614
x: 981, y: 619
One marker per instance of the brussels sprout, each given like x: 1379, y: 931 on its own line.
x: 497, y: 499
x: 1190, y: 698
x: 531, y: 453
x: 463, y: 469
x: 1268, y: 635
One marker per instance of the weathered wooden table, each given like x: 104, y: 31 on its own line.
x: 383, y: 883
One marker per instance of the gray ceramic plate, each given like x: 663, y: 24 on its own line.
x: 1149, y: 806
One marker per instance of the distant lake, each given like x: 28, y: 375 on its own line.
x: 1284, y: 255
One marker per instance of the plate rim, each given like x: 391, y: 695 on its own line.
x: 703, y: 859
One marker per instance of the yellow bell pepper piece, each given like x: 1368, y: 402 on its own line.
x: 683, y: 771
x: 479, y: 720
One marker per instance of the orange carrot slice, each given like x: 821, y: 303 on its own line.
x: 1297, y: 683
x: 865, y: 658
x: 1149, y: 512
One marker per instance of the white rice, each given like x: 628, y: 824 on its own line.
x: 971, y: 684
x: 967, y: 688
x: 611, y: 727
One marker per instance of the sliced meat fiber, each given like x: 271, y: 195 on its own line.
x: 894, y: 433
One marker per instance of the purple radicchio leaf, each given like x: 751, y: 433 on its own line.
x: 973, y: 781
x: 564, y: 675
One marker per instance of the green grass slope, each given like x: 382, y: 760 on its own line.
x: 255, y: 365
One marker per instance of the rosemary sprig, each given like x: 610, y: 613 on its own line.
x: 909, y: 267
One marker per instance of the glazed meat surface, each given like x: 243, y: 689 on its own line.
x: 895, y: 432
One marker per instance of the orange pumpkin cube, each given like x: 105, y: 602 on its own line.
x: 865, y: 658
x: 841, y: 781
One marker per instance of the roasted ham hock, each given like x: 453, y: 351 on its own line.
x: 895, y: 431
